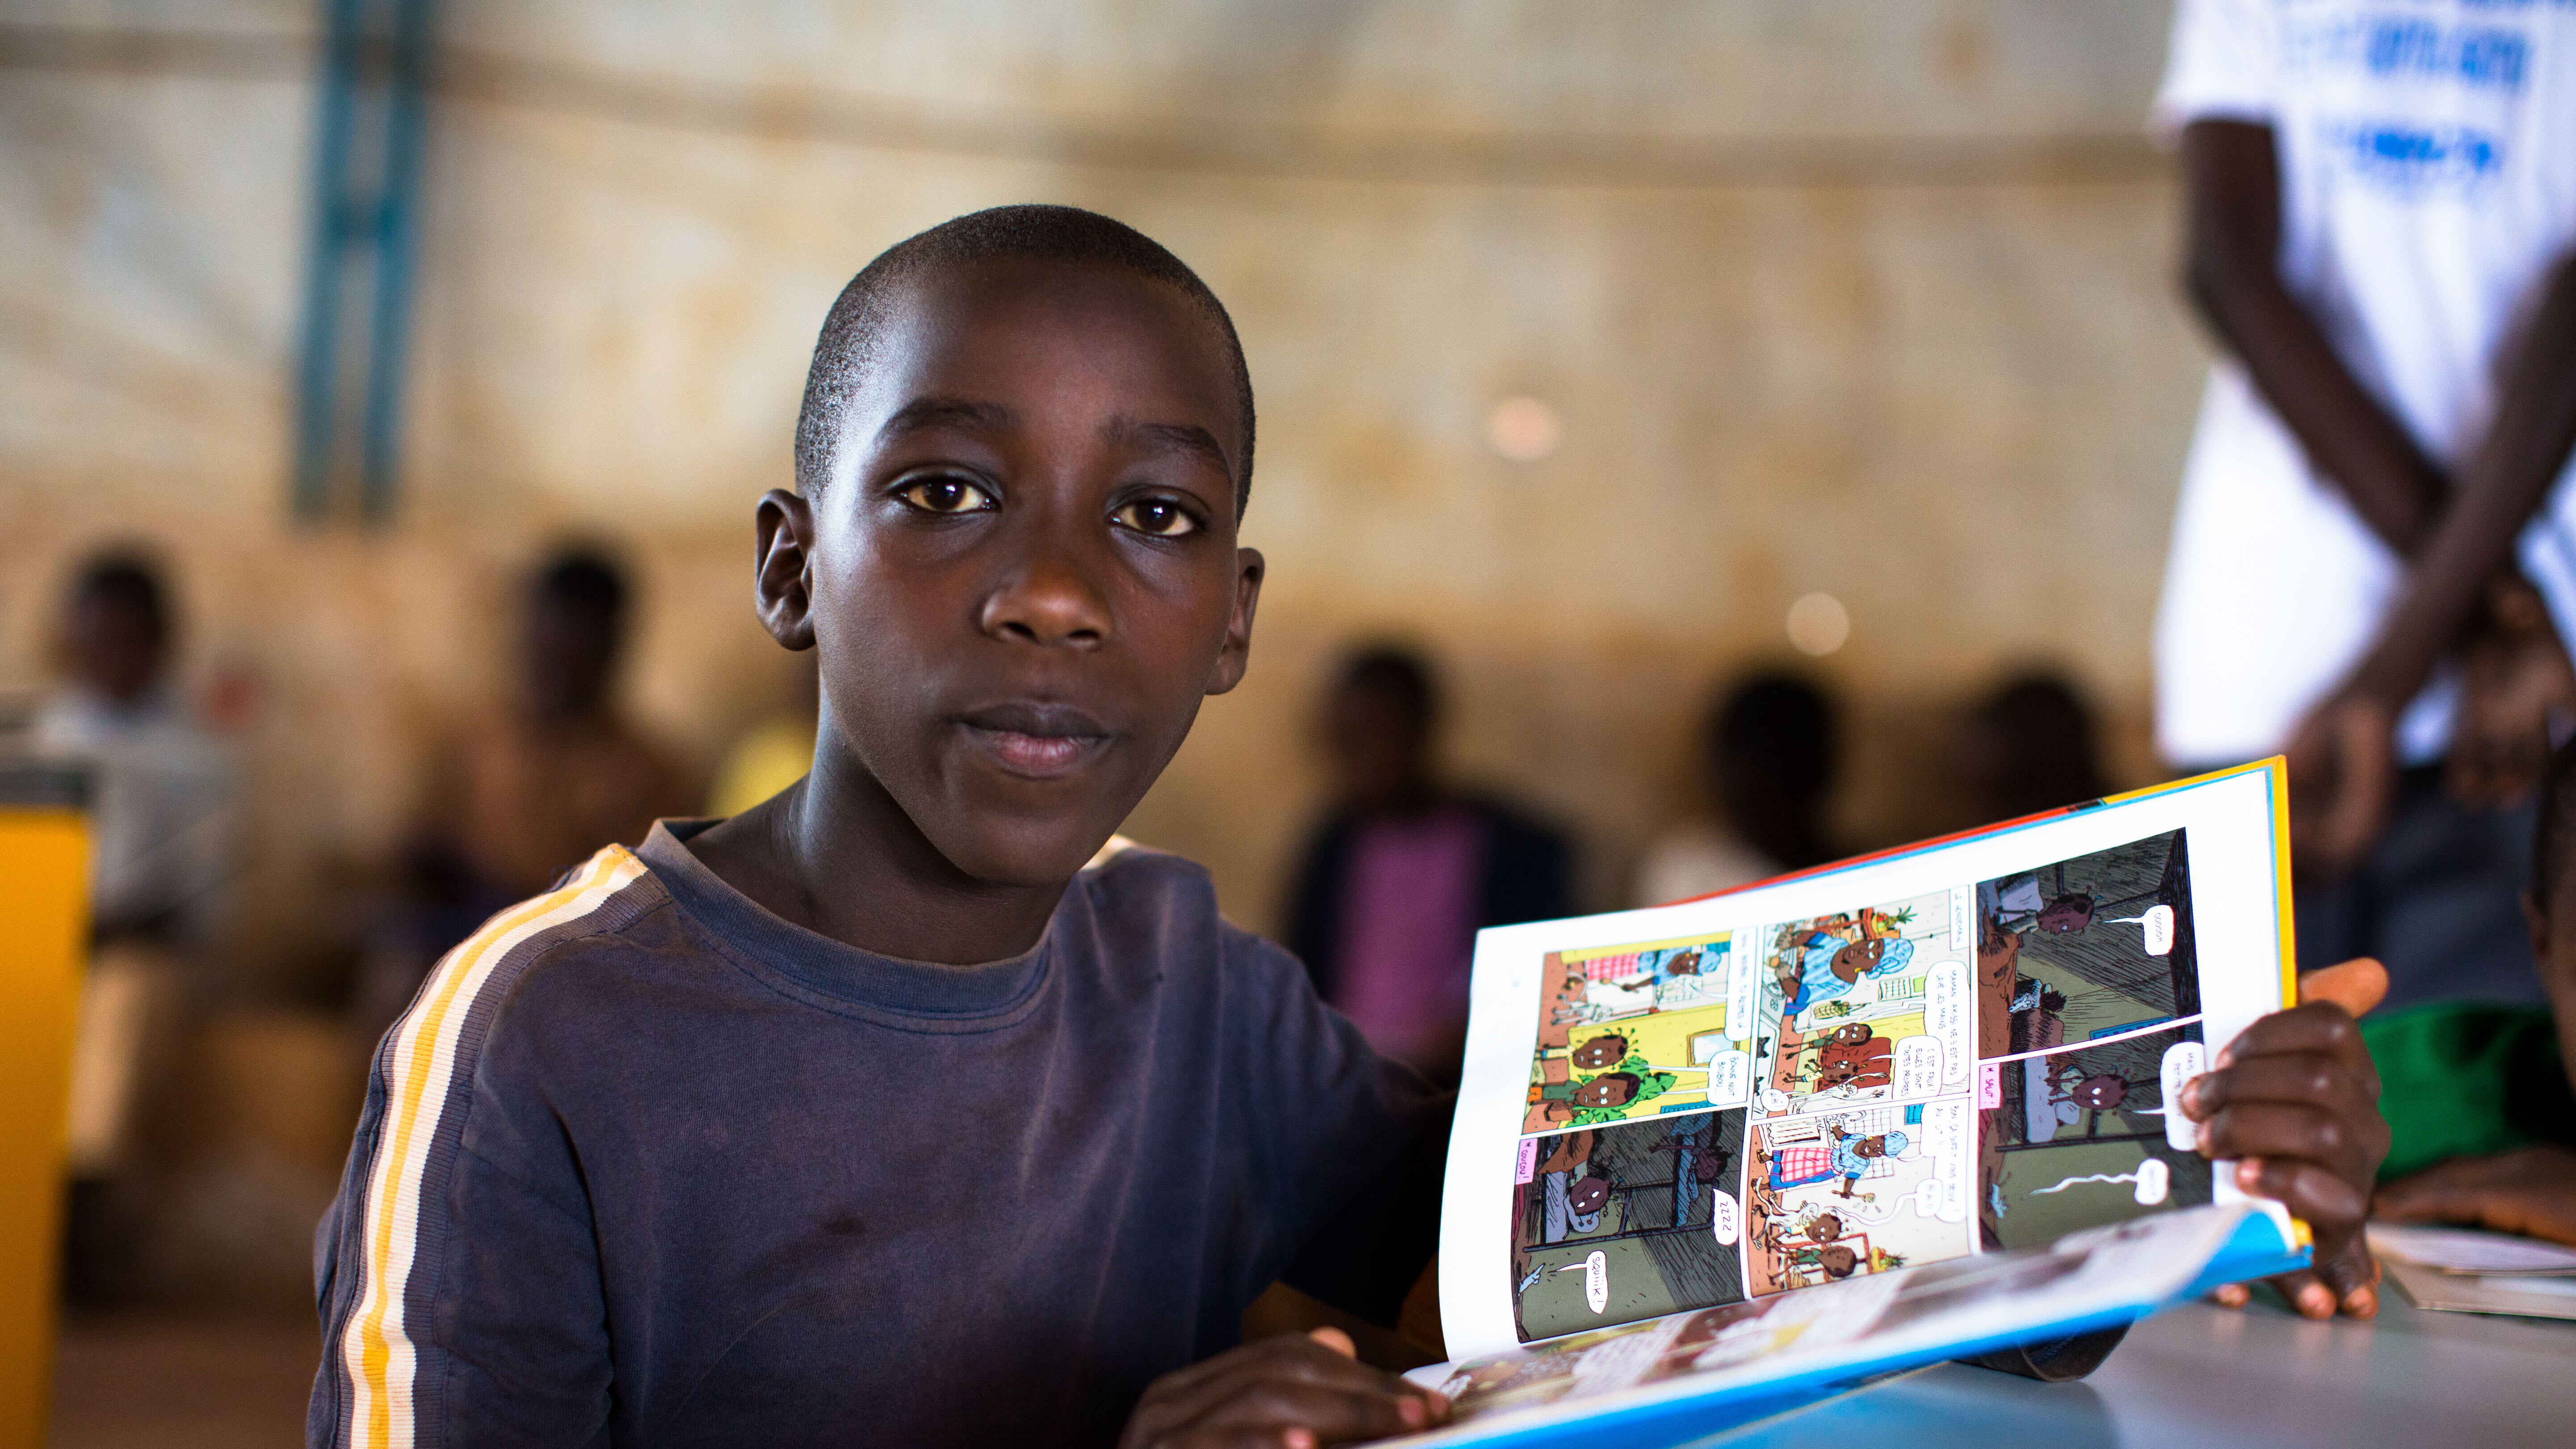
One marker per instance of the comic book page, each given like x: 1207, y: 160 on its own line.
x: 1955, y: 1049
x: 1864, y: 1324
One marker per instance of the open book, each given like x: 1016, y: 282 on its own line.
x: 1882, y: 1113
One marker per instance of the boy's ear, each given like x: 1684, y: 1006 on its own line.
x: 781, y: 581
x: 1237, y: 653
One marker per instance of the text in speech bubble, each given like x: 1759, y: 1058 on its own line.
x: 1946, y: 1140
x: 2158, y: 923
x: 1743, y: 977
x: 1725, y: 1218
x: 1917, y: 1069
x: 1730, y: 1079
x: 1950, y: 1018
x: 2183, y: 1061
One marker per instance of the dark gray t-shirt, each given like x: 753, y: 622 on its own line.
x: 645, y: 1164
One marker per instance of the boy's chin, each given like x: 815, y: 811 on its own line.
x: 1024, y: 857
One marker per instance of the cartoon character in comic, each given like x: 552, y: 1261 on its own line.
x: 2073, y: 1092
x: 1598, y: 1094
x: 1841, y: 1154
x: 1854, y: 1056
x: 1825, y: 963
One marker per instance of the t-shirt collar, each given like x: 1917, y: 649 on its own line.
x: 864, y: 978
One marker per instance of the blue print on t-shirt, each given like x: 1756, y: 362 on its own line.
x: 2406, y: 156
x: 2389, y: 46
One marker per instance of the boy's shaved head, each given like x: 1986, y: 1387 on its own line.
x: 1064, y: 234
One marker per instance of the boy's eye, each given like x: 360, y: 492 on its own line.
x: 946, y: 495
x: 1156, y: 518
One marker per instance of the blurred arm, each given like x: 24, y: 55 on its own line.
x: 2505, y: 482
x: 2232, y: 196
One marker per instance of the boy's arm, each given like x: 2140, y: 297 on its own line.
x: 458, y: 1274
x: 2295, y: 1101
x: 1289, y: 1392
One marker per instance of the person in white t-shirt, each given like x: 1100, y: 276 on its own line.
x: 2382, y: 232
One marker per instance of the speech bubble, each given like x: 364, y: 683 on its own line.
x: 1725, y: 1218
x: 1743, y: 979
x: 1917, y: 1071
x: 1596, y: 1280
x: 1730, y: 1078
x: 2154, y: 1180
x: 1773, y: 1101
x: 1950, y: 1018
x: 2183, y: 1061
x: 1947, y: 1141
x: 2158, y: 923
x: 2151, y: 1181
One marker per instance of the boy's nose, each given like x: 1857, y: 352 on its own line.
x: 1047, y: 602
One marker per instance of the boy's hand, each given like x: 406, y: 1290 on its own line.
x: 1289, y: 1392
x: 2295, y: 1100
x: 2532, y: 1192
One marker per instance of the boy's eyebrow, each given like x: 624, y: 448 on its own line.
x: 1170, y: 438
x: 932, y: 412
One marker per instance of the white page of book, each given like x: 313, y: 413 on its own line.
x: 1939, y: 1052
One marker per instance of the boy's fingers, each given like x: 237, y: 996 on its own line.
x: 2292, y: 1077
x: 1293, y: 1380
x: 1332, y: 1413
x: 2281, y: 1131
x: 2230, y: 1295
x: 2316, y: 1027
x: 2331, y: 1205
x: 2355, y: 985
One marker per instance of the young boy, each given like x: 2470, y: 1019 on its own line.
x: 874, y: 1114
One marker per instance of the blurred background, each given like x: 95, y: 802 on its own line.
x: 1607, y: 356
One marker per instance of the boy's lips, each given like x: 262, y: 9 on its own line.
x: 1036, y: 740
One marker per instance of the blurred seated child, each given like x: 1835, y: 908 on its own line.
x: 2031, y: 746
x: 163, y: 819
x: 1766, y: 768
x: 1405, y: 870
x: 529, y: 790
x: 2482, y: 1098
x: 163, y: 801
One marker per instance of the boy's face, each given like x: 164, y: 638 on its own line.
x: 1022, y: 578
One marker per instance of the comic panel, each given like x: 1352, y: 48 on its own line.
x: 1866, y: 1006
x: 2086, y: 948
x: 2081, y: 1136
x: 1857, y: 1191
x: 1637, y: 1031
x: 1617, y: 1223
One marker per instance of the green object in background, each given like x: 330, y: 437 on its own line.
x: 2458, y: 1079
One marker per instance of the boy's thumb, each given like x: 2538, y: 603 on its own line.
x: 1336, y: 1340
x: 2355, y: 985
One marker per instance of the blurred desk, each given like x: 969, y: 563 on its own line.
x: 44, y: 901
x: 2203, y: 1375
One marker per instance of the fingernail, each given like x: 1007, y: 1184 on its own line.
x: 1413, y: 1411
x: 2317, y: 1301
x: 2249, y: 1173
x: 2226, y: 1057
x: 2361, y: 1302
x: 2191, y: 1097
x: 2200, y: 1138
x: 2232, y: 1295
x: 1299, y: 1439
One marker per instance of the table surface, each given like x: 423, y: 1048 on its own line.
x: 2195, y: 1375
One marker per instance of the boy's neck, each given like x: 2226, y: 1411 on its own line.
x: 836, y: 855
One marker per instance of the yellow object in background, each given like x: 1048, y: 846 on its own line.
x: 761, y: 764
x: 44, y: 920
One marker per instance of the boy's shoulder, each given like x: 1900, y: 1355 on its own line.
x: 1137, y: 893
